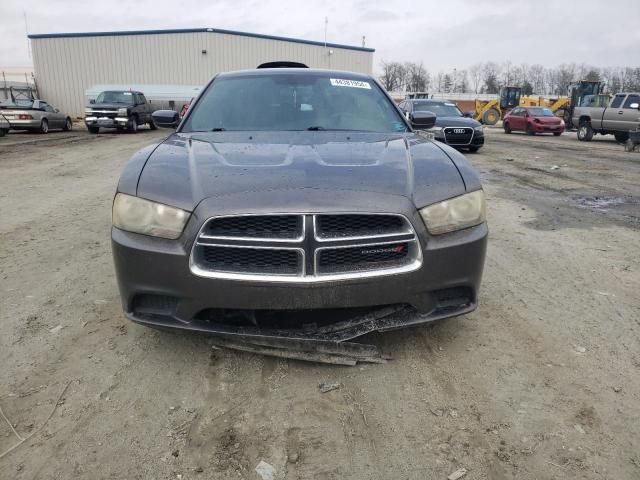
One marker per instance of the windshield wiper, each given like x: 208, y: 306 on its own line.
x: 218, y: 129
x: 316, y: 127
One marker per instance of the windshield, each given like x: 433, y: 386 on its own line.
x: 541, y: 112
x: 115, y: 97
x: 285, y: 102
x: 440, y: 109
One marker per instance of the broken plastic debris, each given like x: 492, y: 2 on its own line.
x: 265, y: 471
x: 56, y: 329
x: 327, y: 387
x: 461, y: 472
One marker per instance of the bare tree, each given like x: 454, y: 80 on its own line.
x: 392, y: 77
x: 439, y: 81
x: 462, y: 83
x: 507, y: 73
x: 488, y: 77
x: 490, y: 72
x: 536, y: 78
x: 475, y: 72
x: 417, y: 77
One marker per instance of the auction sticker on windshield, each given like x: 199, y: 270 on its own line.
x: 342, y: 82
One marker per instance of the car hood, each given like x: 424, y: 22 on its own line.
x: 456, y: 122
x: 187, y: 168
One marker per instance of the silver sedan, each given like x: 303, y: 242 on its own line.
x: 35, y: 115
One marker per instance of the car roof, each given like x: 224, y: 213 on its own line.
x: 122, y: 91
x: 429, y: 101
x: 296, y: 71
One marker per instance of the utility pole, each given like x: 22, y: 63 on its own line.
x: 326, y: 22
x: 26, y: 30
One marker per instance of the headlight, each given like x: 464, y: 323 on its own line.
x: 138, y: 215
x: 479, y: 128
x: 122, y: 112
x: 435, y: 130
x: 456, y: 213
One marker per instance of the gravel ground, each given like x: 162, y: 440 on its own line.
x: 541, y: 382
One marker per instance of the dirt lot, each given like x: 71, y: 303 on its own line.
x: 541, y: 382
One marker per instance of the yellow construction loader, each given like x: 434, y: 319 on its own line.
x: 489, y: 112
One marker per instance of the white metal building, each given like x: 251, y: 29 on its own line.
x: 67, y: 64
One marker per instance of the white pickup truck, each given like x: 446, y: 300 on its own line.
x: 619, y: 118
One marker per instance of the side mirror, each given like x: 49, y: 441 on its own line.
x: 92, y: 101
x: 635, y: 105
x: 56, y: 110
x: 166, y: 118
x: 422, y: 120
x: 468, y: 114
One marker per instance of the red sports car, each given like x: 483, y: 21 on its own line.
x: 533, y: 120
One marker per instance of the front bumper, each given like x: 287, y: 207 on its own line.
x: 107, y: 122
x: 158, y: 288
x: 542, y: 128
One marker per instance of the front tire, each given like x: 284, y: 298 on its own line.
x: 585, y: 131
x: 152, y: 125
x: 557, y: 134
x: 44, y: 126
x: 133, y: 125
x: 3, y: 132
x: 507, y: 128
x: 491, y: 116
x: 529, y: 130
x: 621, y: 137
x: 474, y: 149
x: 68, y: 125
x: 93, y: 129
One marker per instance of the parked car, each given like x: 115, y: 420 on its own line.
x: 124, y: 110
x: 4, y: 126
x: 185, y: 109
x: 619, y: 118
x: 35, y: 115
x: 293, y: 188
x: 533, y: 120
x: 452, y: 126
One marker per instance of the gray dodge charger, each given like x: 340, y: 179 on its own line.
x: 295, y: 190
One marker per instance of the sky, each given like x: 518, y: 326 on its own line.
x: 441, y: 34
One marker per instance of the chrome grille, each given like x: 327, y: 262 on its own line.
x: 276, y: 227
x: 458, y: 135
x: 305, y: 247
x: 235, y: 259
x: 349, y: 259
x: 358, y: 225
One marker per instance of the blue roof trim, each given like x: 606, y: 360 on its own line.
x: 197, y: 30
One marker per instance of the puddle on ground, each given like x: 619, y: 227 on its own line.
x: 606, y: 201
x: 627, y: 206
